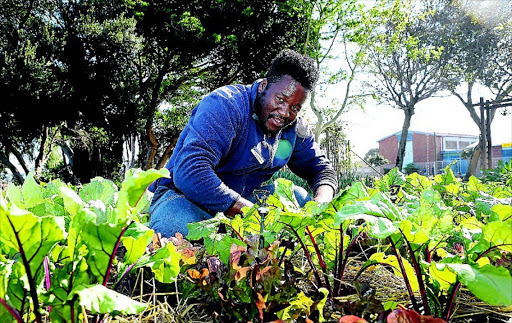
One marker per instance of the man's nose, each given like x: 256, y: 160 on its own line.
x: 284, y: 110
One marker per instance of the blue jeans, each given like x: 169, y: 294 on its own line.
x: 171, y: 211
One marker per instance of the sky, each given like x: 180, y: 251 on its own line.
x: 444, y: 114
x: 439, y: 114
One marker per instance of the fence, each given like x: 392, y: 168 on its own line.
x: 428, y: 169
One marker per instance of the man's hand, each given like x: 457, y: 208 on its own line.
x: 237, y: 207
x: 324, y: 194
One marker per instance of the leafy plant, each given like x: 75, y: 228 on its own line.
x: 422, y: 225
x: 69, y: 240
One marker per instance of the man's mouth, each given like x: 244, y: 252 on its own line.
x: 277, y: 121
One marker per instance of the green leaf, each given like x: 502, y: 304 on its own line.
x: 15, y: 195
x: 5, y: 271
x: 321, y: 304
x: 101, y: 240
x: 99, y: 189
x: 298, y: 306
x: 285, y: 192
x: 220, y: 244
x: 132, y: 190
x: 72, y: 201
x: 202, y: 229
x: 32, y: 193
x: 490, y: 284
x: 136, y: 239
x: 98, y: 299
x: 504, y: 211
x: 34, y: 236
x: 442, y: 274
x: 356, y: 191
x: 374, y: 215
x: 165, y: 263
x: 499, y: 234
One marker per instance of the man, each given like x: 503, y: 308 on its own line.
x: 236, y: 138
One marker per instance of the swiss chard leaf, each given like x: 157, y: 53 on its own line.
x: 99, y: 299
x: 491, y: 284
x: 132, y: 191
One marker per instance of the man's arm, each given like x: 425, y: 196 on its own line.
x: 310, y: 163
x: 324, y: 194
x: 237, y: 207
x: 209, y: 135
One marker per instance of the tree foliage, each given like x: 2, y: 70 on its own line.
x: 409, y: 57
x: 91, y: 76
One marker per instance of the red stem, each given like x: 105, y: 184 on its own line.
x: 32, y: 285
x: 237, y: 233
x: 421, y: 284
x: 451, y: 302
x: 47, y: 276
x: 404, y: 274
x: 339, y: 263
x: 113, y: 255
x: 11, y: 310
x: 306, y: 253
x: 321, y: 261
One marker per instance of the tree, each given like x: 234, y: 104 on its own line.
x: 374, y: 158
x: 409, y: 61
x: 337, y: 35
x: 200, y: 44
x: 91, y: 76
x: 481, y: 42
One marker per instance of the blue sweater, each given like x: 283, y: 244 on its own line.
x: 222, y: 153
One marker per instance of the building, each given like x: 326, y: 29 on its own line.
x: 430, y: 152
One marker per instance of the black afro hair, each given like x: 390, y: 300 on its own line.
x: 300, y: 67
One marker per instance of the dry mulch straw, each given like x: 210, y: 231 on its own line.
x: 388, y: 286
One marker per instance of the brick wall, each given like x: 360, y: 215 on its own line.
x: 388, y: 148
x: 420, y: 147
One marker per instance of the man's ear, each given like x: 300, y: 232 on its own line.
x: 262, y: 85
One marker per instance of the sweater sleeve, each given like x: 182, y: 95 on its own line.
x: 211, y: 131
x: 309, y: 162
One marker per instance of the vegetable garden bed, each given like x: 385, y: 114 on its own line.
x: 408, y: 246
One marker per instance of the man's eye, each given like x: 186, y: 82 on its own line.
x: 295, y: 108
x: 280, y: 100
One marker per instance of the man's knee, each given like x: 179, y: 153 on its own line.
x: 171, y: 212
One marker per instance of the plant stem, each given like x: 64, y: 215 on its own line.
x: 339, y: 273
x: 306, y: 253
x: 339, y: 251
x: 31, y: 282
x: 11, y: 310
x: 404, y: 274
x: 113, y: 255
x: 421, y: 284
x: 237, y: 233
x: 451, y: 301
x: 321, y: 261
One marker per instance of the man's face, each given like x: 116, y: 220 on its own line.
x: 278, y: 104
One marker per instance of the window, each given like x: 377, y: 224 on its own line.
x: 450, y: 144
x: 464, y: 144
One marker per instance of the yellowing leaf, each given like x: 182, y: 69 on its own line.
x: 499, y: 234
x: 393, y: 262
x: 443, y: 275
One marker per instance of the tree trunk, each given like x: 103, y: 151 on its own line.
x: 10, y: 148
x: 473, y: 163
x: 408, y: 111
x: 167, y: 153
x: 40, y: 157
x: 17, y: 175
x: 150, y: 161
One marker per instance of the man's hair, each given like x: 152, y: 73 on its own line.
x: 300, y: 67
